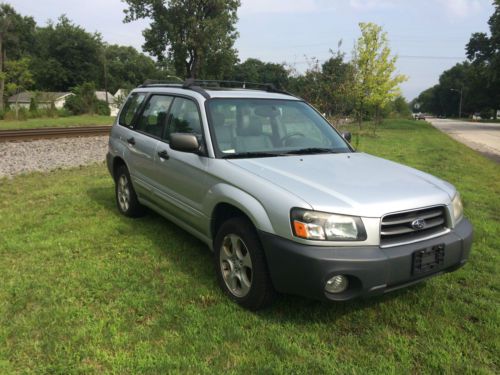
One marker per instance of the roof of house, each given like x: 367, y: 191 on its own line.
x: 41, y: 97
x: 101, y: 95
x: 122, y: 92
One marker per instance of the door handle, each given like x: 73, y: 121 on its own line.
x: 131, y: 141
x: 163, y: 154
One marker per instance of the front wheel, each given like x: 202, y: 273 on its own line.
x: 240, y: 265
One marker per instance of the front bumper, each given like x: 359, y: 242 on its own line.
x: 304, y: 270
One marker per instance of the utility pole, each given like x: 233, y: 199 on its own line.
x: 105, y: 67
x: 461, y: 91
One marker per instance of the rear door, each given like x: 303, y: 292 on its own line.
x: 148, y: 128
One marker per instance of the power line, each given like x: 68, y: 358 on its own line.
x: 429, y: 57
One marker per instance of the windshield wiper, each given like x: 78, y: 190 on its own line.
x: 312, y: 150
x: 244, y: 155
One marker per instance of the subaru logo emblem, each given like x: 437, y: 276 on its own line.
x: 418, y: 224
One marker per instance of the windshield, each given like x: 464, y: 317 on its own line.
x: 270, y: 127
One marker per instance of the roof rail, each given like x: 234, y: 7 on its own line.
x: 221, y: 84
x: 199, y: 86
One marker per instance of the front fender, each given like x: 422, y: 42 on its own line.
x: 224, y: 193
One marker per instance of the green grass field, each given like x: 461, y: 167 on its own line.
x: 85, y: 290
x: 58, y: 122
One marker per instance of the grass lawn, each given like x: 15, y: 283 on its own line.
x: 58, y: 122
x: 85, y: 290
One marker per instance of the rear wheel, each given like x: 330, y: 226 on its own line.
x: 126, y: 198
x: 240, y: 265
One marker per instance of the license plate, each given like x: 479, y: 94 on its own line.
x: 428, y: 260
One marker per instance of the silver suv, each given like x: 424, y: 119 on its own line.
x: 279, y: 196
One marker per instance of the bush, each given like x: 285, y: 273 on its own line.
x: 102, y: 108
x: 487, y: 114
x: 84, y: 101
x: 33, y: 105
x: 22, y: 114
x: 63, y: 112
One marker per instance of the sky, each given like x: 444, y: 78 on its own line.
x: 429, y: 36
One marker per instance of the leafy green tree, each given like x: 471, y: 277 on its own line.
x: 400, y: 107
x: 17, y: 78
x: 255, y: 70
x: 127, y: 68
x: 328, y: 86
x: 375, y: 83
x: 483, y: 51
x: 16, y: 34
x: 65, y: 55
x: 466, y: 80
x: 196, y: 36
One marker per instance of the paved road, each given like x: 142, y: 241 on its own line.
x: 482, y: 137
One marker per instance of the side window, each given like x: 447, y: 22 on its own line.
x: 130, y: 108
x: 154, y: 117
x: 185, y: 117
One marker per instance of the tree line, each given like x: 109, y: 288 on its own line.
x: 472, y: 86
x: 191, y: 38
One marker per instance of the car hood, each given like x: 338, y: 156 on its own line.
x: 351, y: 183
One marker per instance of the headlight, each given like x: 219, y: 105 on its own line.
x: 313, y: 225
x: 458, y: 208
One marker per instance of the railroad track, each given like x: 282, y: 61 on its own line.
x: 51, y: 133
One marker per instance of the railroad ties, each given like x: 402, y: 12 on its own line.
x: 51, y: 133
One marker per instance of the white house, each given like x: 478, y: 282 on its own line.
x: 44, y: 100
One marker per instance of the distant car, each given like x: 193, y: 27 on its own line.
x: 420, y: 116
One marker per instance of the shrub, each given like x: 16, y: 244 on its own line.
x: 84, y: 100
x: 487, y: 114
x: 63, y: 112
x: 33, y: 105
x: 22, y: 114
x: 102, y: 108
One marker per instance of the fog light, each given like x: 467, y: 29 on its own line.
x: 337, y: 284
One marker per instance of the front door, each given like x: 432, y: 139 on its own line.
x: 181, y: 176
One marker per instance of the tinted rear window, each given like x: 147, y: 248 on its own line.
x: 130, y: 109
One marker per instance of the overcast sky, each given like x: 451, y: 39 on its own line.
x: 429, y: 36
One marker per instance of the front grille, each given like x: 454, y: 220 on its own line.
x: 404, y: 226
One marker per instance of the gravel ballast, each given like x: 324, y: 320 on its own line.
x: 49, y: 154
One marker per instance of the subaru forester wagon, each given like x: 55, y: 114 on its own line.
x: 279, y: 195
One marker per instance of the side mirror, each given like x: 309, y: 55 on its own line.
x: 347, y: 136
x: 184, y: 142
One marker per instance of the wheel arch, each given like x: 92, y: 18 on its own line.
x: 117, y: 163
x: 228, y: 201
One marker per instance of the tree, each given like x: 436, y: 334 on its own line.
x: 375, y: 82
x: 65, y: 55
x: 196, y: 36
x: 17, y: 78
x: 400, y: 107
x: 484, y: 52
x: 16, y: 33
x: 254, y: 70
x: 127, y: 68
x: 327, y: 86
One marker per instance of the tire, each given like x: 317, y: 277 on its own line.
x: 241, y: 266
x: 126, y: 198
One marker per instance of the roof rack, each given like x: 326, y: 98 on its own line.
x: 200, y: 86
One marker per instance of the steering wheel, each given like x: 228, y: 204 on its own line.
x: 289, y: 136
